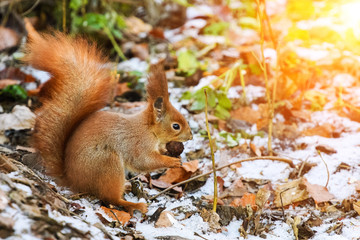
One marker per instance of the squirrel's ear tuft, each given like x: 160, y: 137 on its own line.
x: 157, y: 85
x: 159, y: 108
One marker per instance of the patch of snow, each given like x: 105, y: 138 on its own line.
x: 133, y: 64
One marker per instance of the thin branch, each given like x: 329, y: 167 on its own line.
x: 327, y: 169
x: 285, y: 160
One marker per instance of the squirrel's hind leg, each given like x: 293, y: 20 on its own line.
x: 111, y: 187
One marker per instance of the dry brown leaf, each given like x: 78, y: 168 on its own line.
x: 117, y: 215
x: 262, y: 197
x: 4, y: 201
x: 8, y: 38
x: 161, y: 184
x: 304, y: 114
x: 290, y: 192
x: 247, y: 114
x: 137, y: 25
x: 210, y: 217
x: 324, y: 130
x: 7, y: 165
x: 247, y: 199
x: 237, y: 189
x: 285, y: 131
x: 317, y: 192
x: 6, y: 82
x: 191, y: 166
x: 21, y: 117
x: 166, y: 219
x: 255, y: 150
x: 356, y: 206
x: 176, y: 175
x: 325, y: 149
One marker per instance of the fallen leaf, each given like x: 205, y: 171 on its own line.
x: 191, y: 166
x: 285, y: 131
x: 356, y: 206
x: 325, y: 130
x: 176, y: 175
x: 137, y: 25
x: 4, y: 201
x: 317, y: 192
x: 247, y: 199
x: 325, y: 149
x: 210, y: 217
x: 246, y: 113
x: 161, y: 184
x: 220, y: 182
x: 262, y: 197
x: 7, y: 165
x: 255, y: 150
x: 289, y: 193
x: 236, y: 189
x: 8, y: 38
x: 6, y: 82
x: 6, y: 226
x: 166, y: 219
x: 21, y: 117
x: 116, y: 215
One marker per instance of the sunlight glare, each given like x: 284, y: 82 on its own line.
x: 350, y: 16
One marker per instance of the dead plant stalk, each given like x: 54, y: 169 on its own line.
x: 212, y: 152
x: 264, y: 68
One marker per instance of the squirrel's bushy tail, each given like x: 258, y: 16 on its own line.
x: 81, y: 84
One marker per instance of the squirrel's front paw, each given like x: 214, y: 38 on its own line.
x: 175, y: 163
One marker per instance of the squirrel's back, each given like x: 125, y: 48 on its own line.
x: 81, y: 84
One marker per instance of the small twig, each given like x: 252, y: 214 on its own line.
x: 282, y: 204
x: 327, y: 169
x: 117, y: 219
x: 31, y: 8
x: 198, y: 235
x: 212, y: 152
x: 285, y: 160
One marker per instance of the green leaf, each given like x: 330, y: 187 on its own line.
x: 248, y: 22
x: 95, y: 21
x: 14, y: 91
x: 120, y: 22
x: 186, y: 95
x: 222, y: 112
x: 187, y: 62
x: 198, y: 105
x: 211, y: 97
x: 77, y: 4
x: 117, y: 33
x: 217, y: 28
x: 224, y: 101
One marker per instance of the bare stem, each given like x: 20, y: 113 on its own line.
x: 212, y: 152
x: 327, y: 169
x: 268, y: 98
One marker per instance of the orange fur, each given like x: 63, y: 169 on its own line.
x: 88, y: 149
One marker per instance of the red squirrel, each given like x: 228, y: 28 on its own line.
x: 88, y: 149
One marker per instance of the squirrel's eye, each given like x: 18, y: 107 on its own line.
x: 176, y: 126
